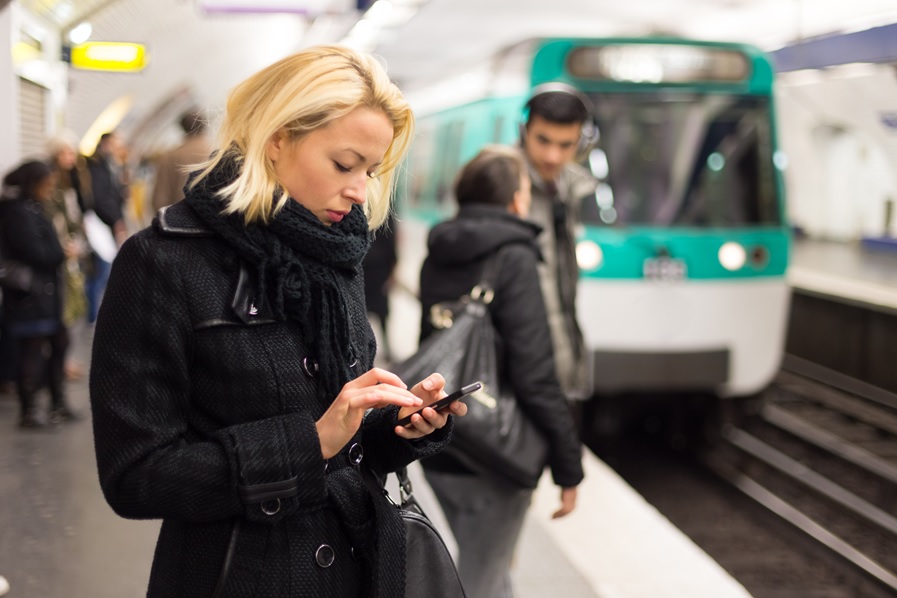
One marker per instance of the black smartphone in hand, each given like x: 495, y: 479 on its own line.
x: 445, y: 401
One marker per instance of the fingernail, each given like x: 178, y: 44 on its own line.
x: 428, y: 384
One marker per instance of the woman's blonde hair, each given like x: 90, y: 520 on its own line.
x: 299, y: 94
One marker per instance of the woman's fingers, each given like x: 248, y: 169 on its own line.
x: 382, y: 395
x: 430, y: 387
x: 376, y: 376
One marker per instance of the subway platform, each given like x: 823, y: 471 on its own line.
x: 60, y: 539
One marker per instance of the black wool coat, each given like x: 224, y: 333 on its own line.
x: 28, y: 237
x: 204, y: 410
x: 457, y: 252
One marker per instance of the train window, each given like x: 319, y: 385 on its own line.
x: 657, y: 63
x: 684, y: 159
x: 450, y: 139
x: 497, y: 129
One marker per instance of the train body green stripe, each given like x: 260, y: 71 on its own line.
x: 626, y: 250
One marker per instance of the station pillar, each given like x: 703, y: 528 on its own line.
x: 9, y: 91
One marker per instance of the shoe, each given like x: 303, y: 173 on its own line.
x: 62, y: 414
x: 29, y: 421
x: 4, y: 586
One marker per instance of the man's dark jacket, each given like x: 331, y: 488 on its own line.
x: 204, y: 414
x: 457, y: 251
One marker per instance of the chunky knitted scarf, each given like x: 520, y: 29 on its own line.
x: 303, y: 267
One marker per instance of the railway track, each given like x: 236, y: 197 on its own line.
x: 824, y: 459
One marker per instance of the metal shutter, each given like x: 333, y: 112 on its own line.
x: 32, y: 118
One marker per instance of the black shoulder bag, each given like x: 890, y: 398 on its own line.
x: 429, y: 569
x: 495, y: 438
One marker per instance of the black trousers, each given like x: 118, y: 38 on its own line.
x: 42, y: 359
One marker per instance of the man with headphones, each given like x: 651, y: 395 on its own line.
x: 558, y: 128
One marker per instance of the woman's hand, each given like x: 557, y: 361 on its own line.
x: 568, y: 502
x: 375, y: 388
x: 71, y: 249
x: 431, y: 389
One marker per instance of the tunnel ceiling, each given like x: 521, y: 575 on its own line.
x: 205, y: 55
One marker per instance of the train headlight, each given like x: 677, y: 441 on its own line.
x: 732, y: 256
x: 589, y: 255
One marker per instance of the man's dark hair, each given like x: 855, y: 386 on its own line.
x: 492, y: 177
x: 557, y: 107
x: 102, y: 142
x: 193, y: 123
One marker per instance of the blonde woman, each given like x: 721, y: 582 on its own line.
x: 231, y: 383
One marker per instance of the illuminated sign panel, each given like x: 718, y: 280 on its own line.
x: 658, y: 63
x: 110, y: 56
x: 304, y: 7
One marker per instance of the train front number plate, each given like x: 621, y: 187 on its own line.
x: 664, y: 268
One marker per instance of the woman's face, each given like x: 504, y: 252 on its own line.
x: 66, y: 158
x: 523, y: 198
x: 327, y: 170
x: 43, y: 190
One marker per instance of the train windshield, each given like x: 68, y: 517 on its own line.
x: 683, y: 160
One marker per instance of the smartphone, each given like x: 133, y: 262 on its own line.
x: 445, y: 401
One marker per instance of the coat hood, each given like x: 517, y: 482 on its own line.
x: 476, y: 232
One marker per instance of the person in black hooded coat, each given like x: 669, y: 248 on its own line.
x: 34, y: 317
x: 231, y: 384
x: 486, y: 513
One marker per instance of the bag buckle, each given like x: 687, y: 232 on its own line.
x: 485, y: 295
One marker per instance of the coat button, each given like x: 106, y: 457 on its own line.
x: 271, y: 507
x: 310, y: 366
x: 324, y: 556
x: 356, y: 453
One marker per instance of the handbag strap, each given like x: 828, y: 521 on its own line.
x: 406, y: 492
x: 484, y: 290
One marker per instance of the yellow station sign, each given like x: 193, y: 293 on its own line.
x: 120, y: 57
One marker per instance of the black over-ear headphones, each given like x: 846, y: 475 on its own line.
x: 589, y: 134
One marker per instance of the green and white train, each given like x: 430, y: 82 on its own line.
x: 684, y: 247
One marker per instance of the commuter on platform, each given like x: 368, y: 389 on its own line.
x: 558, y: 124
x: 171, y: 166
x: 65, y: 211
x: 108, y: 193
x: 35, y: 318
x: 231, y: 382
x: 486, y: 513
x: 379, y: 266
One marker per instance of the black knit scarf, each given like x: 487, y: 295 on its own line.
x: 303, y: 268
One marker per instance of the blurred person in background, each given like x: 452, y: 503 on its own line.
x: 558, y: 124
x: 108, y: 193
x: 172, y: 166
x: 486, y: 513
x: 379, y: 265
x: 231, y: 383
x: 35, y: 318
x: 65, y: 212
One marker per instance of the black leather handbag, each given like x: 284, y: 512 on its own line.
x: 495, y: 438
x: 429, y: 569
